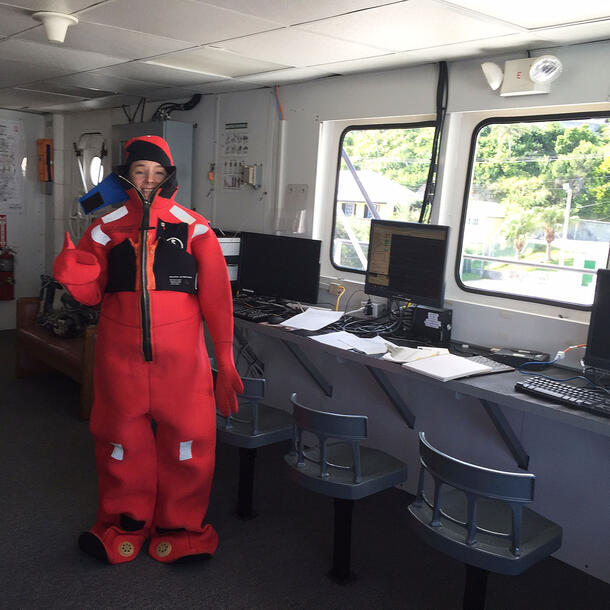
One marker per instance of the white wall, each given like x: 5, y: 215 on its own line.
x: 573, y: 467
x: 310, y: 156
x: 26, y: 227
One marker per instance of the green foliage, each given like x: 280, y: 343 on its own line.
x: 533, y: 168
x: 400, y: 154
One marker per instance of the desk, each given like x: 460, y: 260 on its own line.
x: 496, y: 388
x: 568, y: 450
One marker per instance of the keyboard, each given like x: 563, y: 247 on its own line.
x: 585, y: 399
x: 247, y: 312
x: 497, y: 367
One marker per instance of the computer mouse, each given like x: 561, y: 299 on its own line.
x: 274, y: 319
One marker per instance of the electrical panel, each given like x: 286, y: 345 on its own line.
x: 178, y: 135
x: 252, y: 175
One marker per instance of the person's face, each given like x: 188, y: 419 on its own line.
x: 146, y: 176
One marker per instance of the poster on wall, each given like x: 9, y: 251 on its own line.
x: 12, y: 166
x: 234, y: 148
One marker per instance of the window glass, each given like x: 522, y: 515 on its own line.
x: 96, y: 171
x: 382, y: 173
x: 537, y: 219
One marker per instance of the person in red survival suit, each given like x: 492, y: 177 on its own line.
x: 156, y: 267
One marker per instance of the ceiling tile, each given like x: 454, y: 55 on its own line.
x: 179, y: 19
x: 288, y: 12
x: 19, y: 72
x: 100, y: 39
x: 22, y: 99
x: 288, y: 75
x: 53, y: 86
x: 171, y: 93
x: 105, y: 102
x: 214, y: 61
x: 58, y: 6
x: 55, y: 58
x: 226, y: 86
x: 98, y: 80
x: 369, y: 64
x: 541, y: 13
x: 585, y: 32
x: 463, y: 50
x: 159, y: 74
x: 298, y: 48
x: 408, y: 25
x: 14, y: 20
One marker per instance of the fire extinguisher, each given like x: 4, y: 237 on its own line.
x: 7, y: 265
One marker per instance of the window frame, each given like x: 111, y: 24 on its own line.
x: 361, y: 127
x: 504, y: 120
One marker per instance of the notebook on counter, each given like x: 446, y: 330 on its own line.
x: 447, y: 366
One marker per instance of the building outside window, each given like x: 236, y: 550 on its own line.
x: 536, y: 221
x: 381, y: 173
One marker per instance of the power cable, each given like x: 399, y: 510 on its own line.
x: 442, y: 94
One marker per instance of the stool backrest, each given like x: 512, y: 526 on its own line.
x: 350, y: 429
x: 512, y: 488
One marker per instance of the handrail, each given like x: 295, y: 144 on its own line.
x: 511, y: 261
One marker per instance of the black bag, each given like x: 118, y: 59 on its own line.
x: 60, y: 313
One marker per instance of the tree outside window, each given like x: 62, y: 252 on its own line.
x: 382, y: 173
x: 539, y: 191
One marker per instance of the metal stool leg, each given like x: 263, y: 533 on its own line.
x: 245, y: 492
x: 342, y: 539
x: 475, y: 589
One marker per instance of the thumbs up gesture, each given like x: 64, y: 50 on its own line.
x: 74, y: 266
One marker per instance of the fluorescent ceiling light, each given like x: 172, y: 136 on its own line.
x: 183, y: 69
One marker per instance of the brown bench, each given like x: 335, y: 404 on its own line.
x: 40, y: 350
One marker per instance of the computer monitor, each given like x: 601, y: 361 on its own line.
x: 279, y: 266
x: 597, y: 353
x: 406, y: 260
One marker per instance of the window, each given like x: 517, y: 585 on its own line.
x: 96, y: 171
x: 381, y: 173
x: 536, y: 221
x: 349, y: 209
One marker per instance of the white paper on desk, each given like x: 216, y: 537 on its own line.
x: 446, y: 367
x: 334, y: 339
x: 345, y: 340
x: 312, y: 319
x: 370, y: 346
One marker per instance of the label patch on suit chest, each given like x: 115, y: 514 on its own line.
x: 174, y: 268
x: 174, y: 233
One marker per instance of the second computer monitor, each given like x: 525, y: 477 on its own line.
x: 597, y: 353
x: 406, y: 260
x: 279, y: 266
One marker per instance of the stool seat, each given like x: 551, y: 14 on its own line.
x: 378, y: 472
x: 477, y: 516
x: 539, y: 536
x: 274, y: 426
x: 255, y: 425
x: 337, y: 465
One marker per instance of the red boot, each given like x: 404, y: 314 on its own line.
x: 169, y: 547
x: 112, y: 544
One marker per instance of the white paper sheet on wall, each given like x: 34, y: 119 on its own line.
x: 293, y: 214
x: 12, y: 155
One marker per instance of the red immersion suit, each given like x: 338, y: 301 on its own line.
x: 157, y: 268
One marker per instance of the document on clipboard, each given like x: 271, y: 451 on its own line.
x: 447, y: 366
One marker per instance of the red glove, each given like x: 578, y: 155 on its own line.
x: 74, y: 266
x: 228, y: 381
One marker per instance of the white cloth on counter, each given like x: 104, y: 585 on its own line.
x: 397, y: 353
